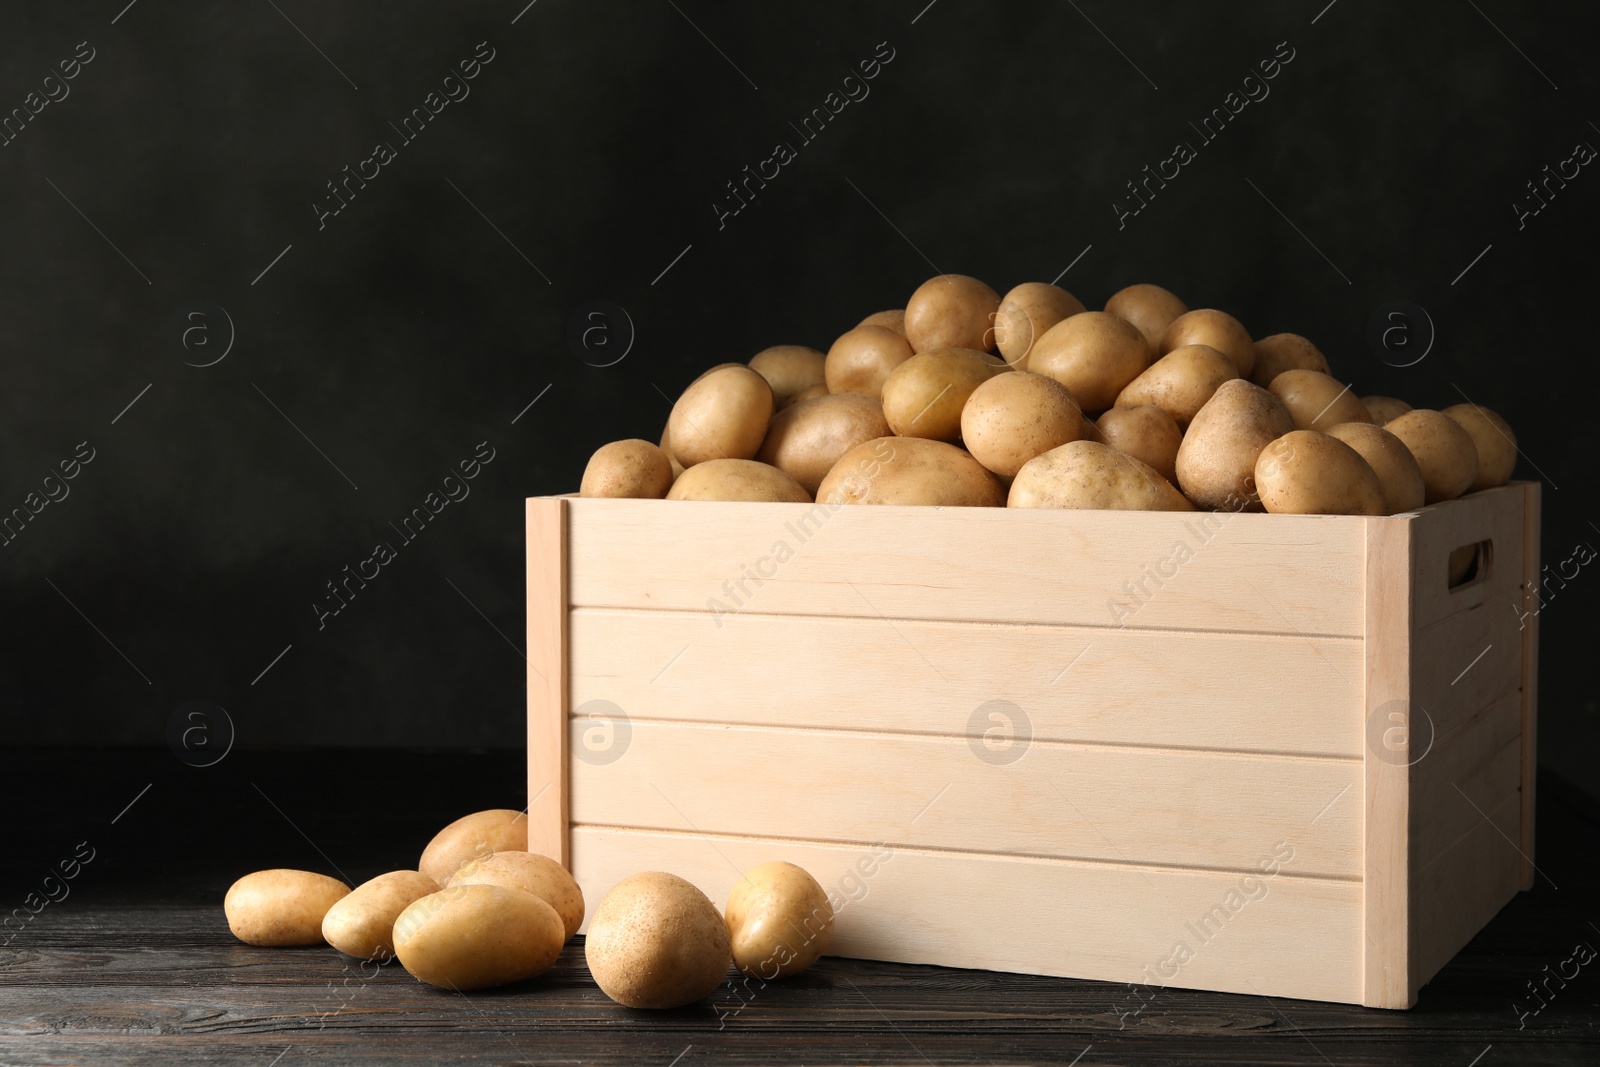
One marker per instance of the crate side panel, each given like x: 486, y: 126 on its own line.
x: 1494, y: 515
x: 1463, y: 776
x: 1461, y: 890
x: 1465, y: 662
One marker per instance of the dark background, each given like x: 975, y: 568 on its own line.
x: 412, y: 327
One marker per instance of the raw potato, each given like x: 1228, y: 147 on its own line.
x: 1011, y: 418
x: 1149, y: 307
x: 1390, y: 460
x: 910, y: 470
x: 656, y: 942
x: 1496, y: 444
x: 789, y: 369
x: 737, y: 479
x: 1144, y: 432
x: 894, y: 320
x: 1026, y: 312
x: 631, y: 468
x: 1092, y: 432
x: 472, y: 836
x: 722, y: 415
x: 1217, y: 462
x: 952, y: 311
x: 925, y: 394
x: 476, y: 936
x: 1180, y: 382
x: 1095, y: 355
x: 779, y: 921
x: 806, y: 440
x: 1316, y: 400
x: 1083, y: 474
x: 1384, y: 409
x: 1309, y: 473
x: 362, y: 923
x: 805, y: 394
x: 1285, y: 351
x: 1445, y: 451
x: 531, y: 873
x: 861, y: 360
x: 1220, y: 330
x: 1460, y: 564
x: 281, y: 906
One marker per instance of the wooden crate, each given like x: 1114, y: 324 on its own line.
x: 1254, y: 753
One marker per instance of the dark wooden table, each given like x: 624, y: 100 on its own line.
x: 134, y: 964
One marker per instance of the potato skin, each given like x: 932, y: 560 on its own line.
x: 789, y: 369
x: 1384, y: 409
x: 477, y: 936
x: 924, y: 396
x: 1144, y: 432
x: 281, y: 906
x: 1093, y: 354
x: 1083, y: 474
x: 1285, y: 351
x: 1495, y: 441
x: 807, y: 439
x: 631, y: 468
x: 893, y: 319
x: 1316, y: 400
x: 722, y: 415
x: 1390, y: 460
x: 1148, y: 307
x: 361, y: 924
x: 1013, y: 417
x: 1217, y: 329
x: 910, y: 470
x: 1305, y: 472
x: 779, y: 921
x: 737, y: 479
x: 1026, y: 312
x: 656, y: 942
x: 952, y: 311
x: 471, y: 836
x: 1444, y: 450
x: 861, y: 360
x: 1180, y: 382
x: 1216, y: 464
x: 531, y: 873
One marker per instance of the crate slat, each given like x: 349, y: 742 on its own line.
x: 1480, y: 764
x: 1460, y: 891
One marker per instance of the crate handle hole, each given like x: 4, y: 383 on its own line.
x: 1470, y: 564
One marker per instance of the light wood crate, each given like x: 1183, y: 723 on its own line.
x: 1145, y: 769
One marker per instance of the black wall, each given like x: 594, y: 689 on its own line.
x: 403, y: 331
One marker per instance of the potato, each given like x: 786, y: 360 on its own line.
x: 1011, y: 418
x: 1309, y: 473
x: 861, y: 359
x: 806, y: 440
x: 472, y: 836
x: 789, y: 369
x: 656, y: 942
x: 779, y: 921
x: 1496, y: 444
x: 737, y: 479
x: 1316, y: 400
x: 1180, y: 382
x: 281, y: 907
x: 1082, y: 474
x: 806, y: 394
x: 1218, y: 329
x: 631, y: 468
x: 722, y: 415
x: 362, y: 923
x: 925, y: 394
x: 476, y: 936
x: 1144, y: 432
x: 952, y: 311
x: 1216, y: 464
x: 1459, y: 564
x: 1390, y: 460
x: 1091, y: 431
x: 1384, y: 409
x: 1285, y: 351
x: 910, y: 470
x: 1445, y: 451
x: 531, y: 873
x: 1148, y: 307
x: 1094, y: 355
x: 894, y: 320
x: 1026, y: 312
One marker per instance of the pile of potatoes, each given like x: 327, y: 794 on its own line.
x: 1029, y: 400
x: 481, y: 910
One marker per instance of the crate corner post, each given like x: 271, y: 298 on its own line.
x: 548, y: 827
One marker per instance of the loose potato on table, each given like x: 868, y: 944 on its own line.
x: 1316, y: 400
x: 1216, y: 463
x: 632, y: 468
x: 1444, y: 450
x: 910, y: 470
x: 1217, y: 329
x: 476, y: 936
x: 531, y: 873
x: 1093, y: 354
x: 952, y: 311
x: 1496, y: 444
x: 281, y: 906
x: 1026, y: 312
x: 1305, y: 472
x: 779, y: 921
x: 862, y: 359
x: 789, y: 370
x: 1390, y: 460
x: 1011, y: 418
x: 472, y: 836
x: 722, y: 415
x: 807, y: 439
x: 737, y: 479
x: 1148, y: 307
x: 1285, y: 351
x: 1083, y: 474
x: 1144, y: 432
x: 362, y: 923
x: 656, y: 941
x: 1384, y: 409
x: 925, y: 394
x: 1180, y: 382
